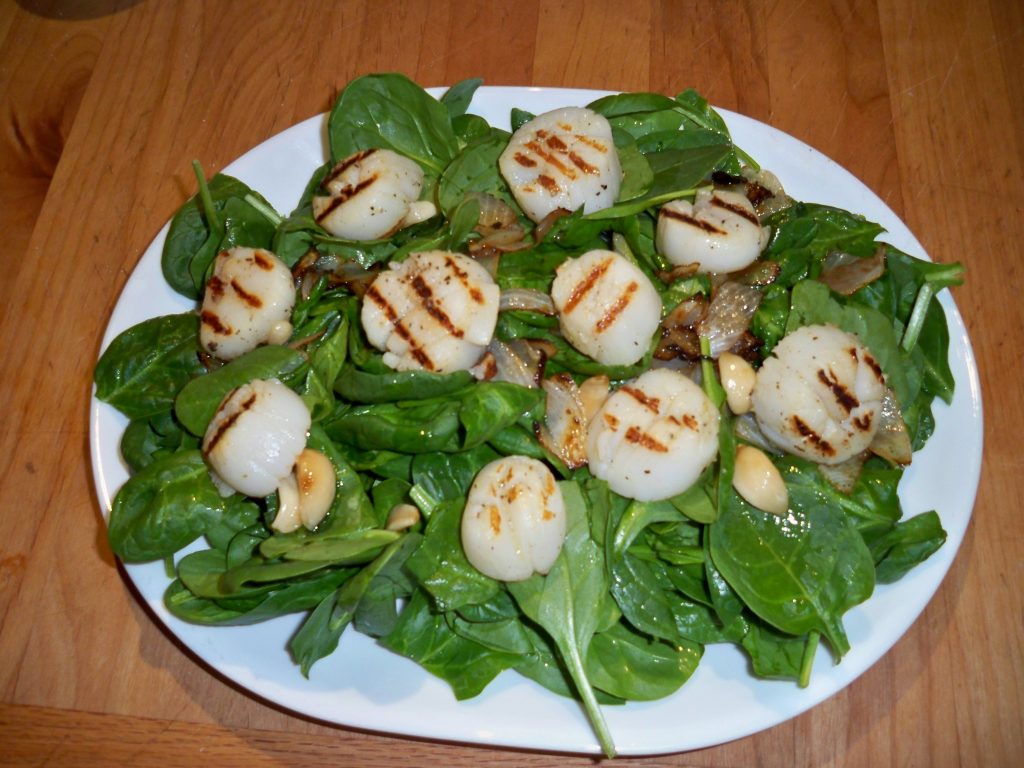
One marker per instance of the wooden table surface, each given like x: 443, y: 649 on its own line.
x: 105, y: 103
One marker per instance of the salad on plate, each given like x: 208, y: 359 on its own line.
x: 576, y: 400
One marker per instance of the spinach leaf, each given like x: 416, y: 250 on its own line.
x: 358, y: 386
x: 629, y: 103
x: 631, y: 666
x: 146, y: 440
x: 320, y: 632
x: 390, y: 111
x: 458, y: 98
x: 163, y: 508
x: 637, y: 176
x: 448, y: 477
x: 193, y: 240
x: 567, y: 603
x: 773, y: 654
x: 462, y: 420
x: 239, y: 515
x: 299, y: 594
x: 475, y: 169
x: 907, y: 544
x: 145, y: 366
x: 198, y: 400
x: 800, y: 572
x: 426, y: 637
x: 351, y: 514
x: 440, y: 566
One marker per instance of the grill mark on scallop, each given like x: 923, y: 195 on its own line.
x: 345, y: 164
x: 804, y: 430
x: 592, y: 143
x: 551, y: 159
x: 415, y: 349
x: 583, y: 165
x: 550, y: 185
x: 739, y: 210
x: 689, y: 421
x: 213, y: 321
x: 215, y: 286
x: 693, y: 221
x: 637, y: 436
x: 229, y: 422
x: 343, y: 196
x: 609, y: 318
x: 261, y: 261
x: 653, y: 404
x: 251, y: 299
x: 583, y: 287
x: 863, y: 422
x: 842, y: 395
x: 524, y: 160
x: 556, y: 144
x: 874, y: 366
x: 474, y: 292
x: 426, y: 295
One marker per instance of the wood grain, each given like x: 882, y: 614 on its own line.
x: 103, y: 105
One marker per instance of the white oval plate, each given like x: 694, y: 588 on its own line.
x: 364, y: 686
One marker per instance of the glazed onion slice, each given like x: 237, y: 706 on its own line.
x: 518, y: 362
x: 564, y: 431
x: 526, y: 300
x: 892, y: 440
x: 729, y: 316
x: 846, y: 274
x: 498, y: 226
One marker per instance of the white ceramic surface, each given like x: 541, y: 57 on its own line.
x: 365, y: 686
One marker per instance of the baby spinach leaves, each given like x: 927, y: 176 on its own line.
x: 144, y: 367
x: 163, y: 508
x: 198, y: 400
x: 203, y: 227
x: 639, y: 587
x: 390, y: 111
x: 568, y: 602
x: 800, y: 572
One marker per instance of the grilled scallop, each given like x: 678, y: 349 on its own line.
x: 513, y: 523
x: 562, y: 159
x: 653, y: 437
x: 718, y: 230
x: 607, y: 308
x: 248, y: 302
x: 819, y: 395
x: 369, y: 195
x: 256, y: 435
x: 435, y: 311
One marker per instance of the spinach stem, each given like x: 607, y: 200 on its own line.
x: 944, y: 277
x: 424, y: 500
x: 712, y: 387
x: 268, y: 213
x: 917, y: 315
x: 808, y: 660
x: 597, y: 720
x: 209, y: 209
